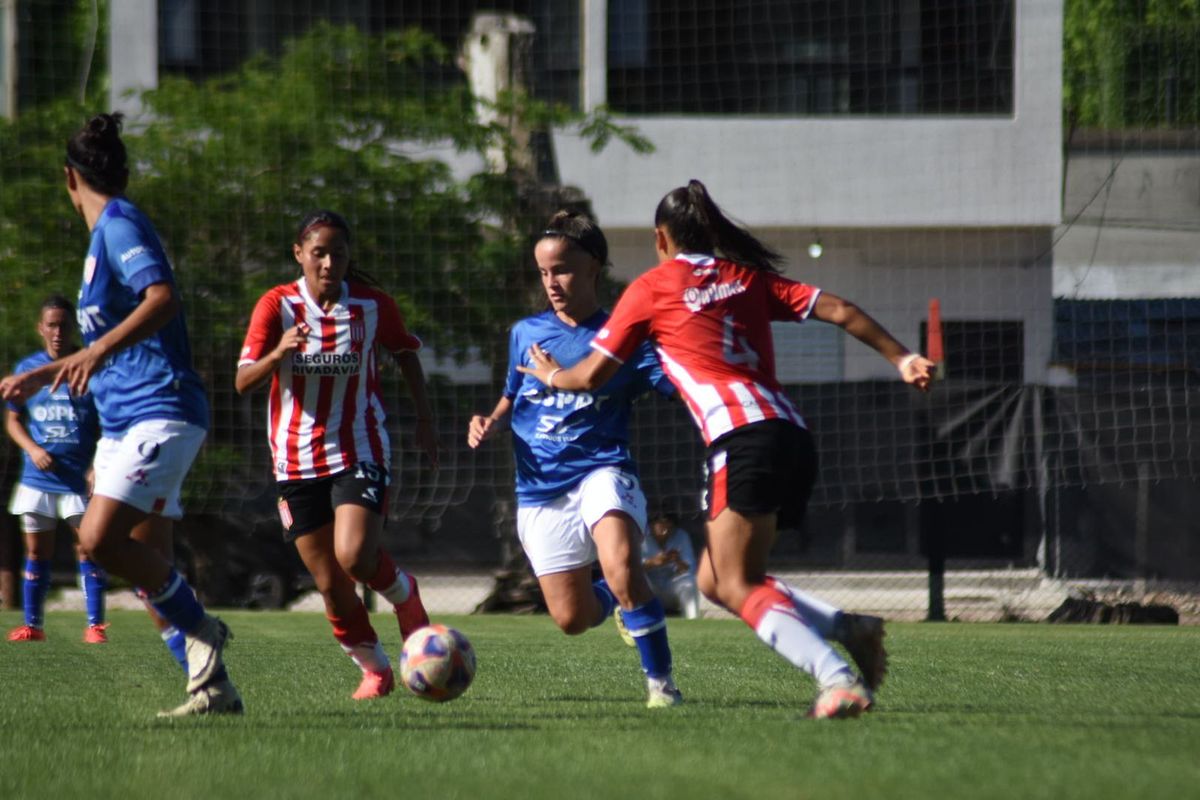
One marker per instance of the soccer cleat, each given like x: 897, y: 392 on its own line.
x: 204, y: 646
x: 411, y: 613
x: 218, y: 698
x: 26, y: 633
x: 842, y: 702
x: 94, y: 634
x: 662, y: 693
x: 862, y: 636
x: 626, y: 636
x: 375, y: 684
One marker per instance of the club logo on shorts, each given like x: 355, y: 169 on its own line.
x: 148, y: 451
x: 371, y: 494
x: 285, y: 514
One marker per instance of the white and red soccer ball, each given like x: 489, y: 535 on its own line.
x: 437, y: 663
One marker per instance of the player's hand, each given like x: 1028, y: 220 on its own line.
x: 291, y: 340
x: 541, y: 364
x: 480, y: 429
x: 917, y: 371
x: 427, y: 440
x: 77, y: 369
x: 42, y: 460
x: 18, y: 387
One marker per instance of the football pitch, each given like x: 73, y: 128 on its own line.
x: 969, y: 710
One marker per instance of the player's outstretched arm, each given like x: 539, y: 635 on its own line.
x: 481, y: 428
x: 590, y: 373
x: 914, y: 368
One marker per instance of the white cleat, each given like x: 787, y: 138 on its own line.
x: 204, y: 646
x: 662, y: 693
x: 218, y: 698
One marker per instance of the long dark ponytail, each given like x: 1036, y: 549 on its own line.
x: 322, y: 218
x: 697, y: 225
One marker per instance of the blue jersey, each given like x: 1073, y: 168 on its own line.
x: 559, y: 437
x: 154, y: 378
x: 65, y: 426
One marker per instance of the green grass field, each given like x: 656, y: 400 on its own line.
x: 1007, y: 711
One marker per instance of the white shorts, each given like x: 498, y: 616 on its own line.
x: 557, y: 536
x: 146, y: 466
x: 40, y: 510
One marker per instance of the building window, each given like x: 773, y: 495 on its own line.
x: 811, y: 57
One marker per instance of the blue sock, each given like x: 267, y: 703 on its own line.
x: 177, y: 644
x: 177, y: 604
x: 608, y: 600
x: 93, y: 581
x: 34, y: 591
x: 648, y: 626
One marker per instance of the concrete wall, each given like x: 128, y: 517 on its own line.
x: 1136, y: 226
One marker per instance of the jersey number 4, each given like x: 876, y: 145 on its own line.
x: 735, y: 348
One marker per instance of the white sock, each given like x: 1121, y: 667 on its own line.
x: 368, y: 657
x: 788, y: 635
x: 817, y: 613
x: 398, y: 592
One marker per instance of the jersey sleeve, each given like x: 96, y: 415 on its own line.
x: 138, y: 263
x: 512, y: 379
x: 266, y: 328
x: 650, y: 371
x: 392, y: 335
x: 629, y: 324
x: 790, y: 300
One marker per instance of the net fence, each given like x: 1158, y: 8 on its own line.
x: 1061, y: 445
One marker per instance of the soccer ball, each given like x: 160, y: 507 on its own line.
x: 437, y: 663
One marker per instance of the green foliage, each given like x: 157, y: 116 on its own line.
x: 365, y: 125
x: 979, y: 711
x: 1132, y: 64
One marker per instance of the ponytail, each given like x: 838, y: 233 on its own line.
x: 697, y: 225
x: 97, y: 153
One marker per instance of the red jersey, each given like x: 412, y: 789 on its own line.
x: 326, y: 408
x: 711, y: 322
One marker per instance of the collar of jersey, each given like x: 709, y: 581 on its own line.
x: 312, y: 301
x: 583, y: 324
x: 696, y: 259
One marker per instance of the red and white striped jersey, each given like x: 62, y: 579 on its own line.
x: 326, y: 407
x: 710, y: 320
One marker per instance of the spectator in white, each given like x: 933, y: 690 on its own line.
x: 670, y: 562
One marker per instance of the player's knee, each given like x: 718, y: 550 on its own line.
x: 572, y: 622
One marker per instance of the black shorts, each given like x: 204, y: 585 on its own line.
x: 306, y: 505
x: 764, y: 468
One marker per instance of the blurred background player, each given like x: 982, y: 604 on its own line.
x: 57, y: 432
x: 316, y: 340
x: 151, y: 403
x: 670, y: 562
x: 708, y: 306
x: 578, y: 494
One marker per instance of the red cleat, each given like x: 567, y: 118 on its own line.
x: 375, y: 684
x: 26, y: 633
x: 94, y: 634
x: 411, y: 613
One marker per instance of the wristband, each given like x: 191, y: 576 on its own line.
x: 550, y: 377
x: 908, y: 359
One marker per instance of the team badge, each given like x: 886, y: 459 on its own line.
x: 358, y: 330
x: 89, y: 268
